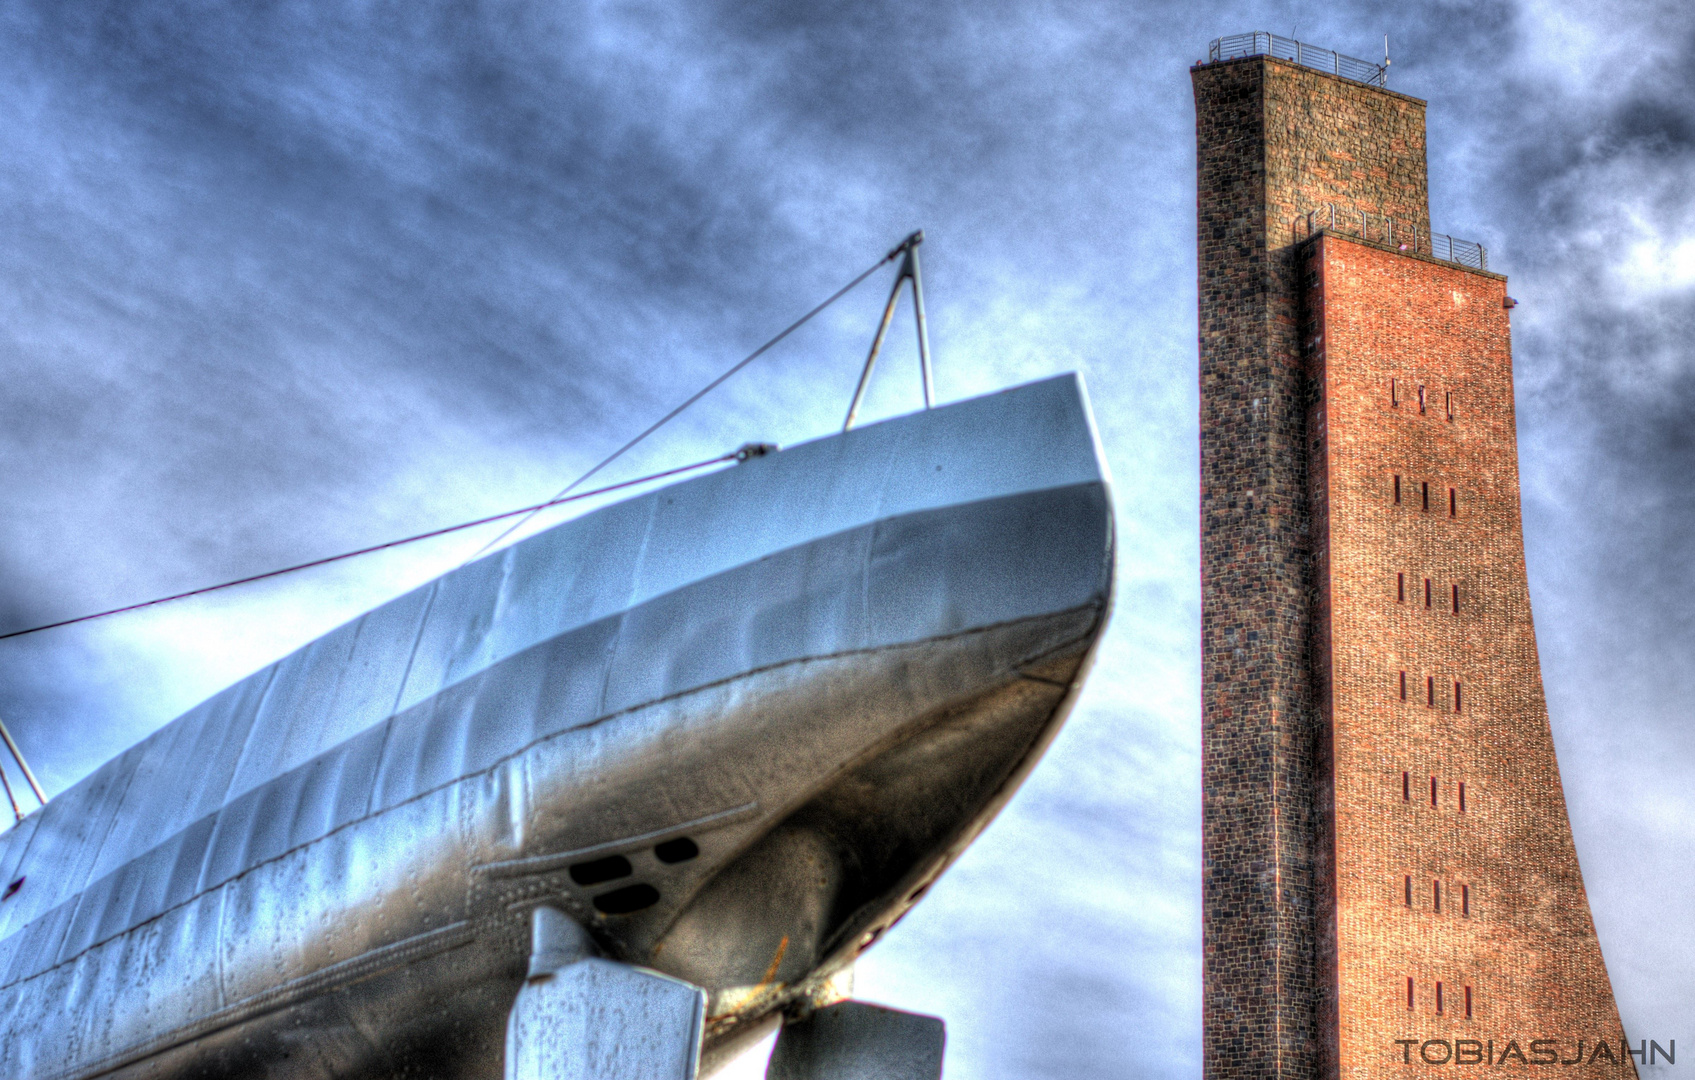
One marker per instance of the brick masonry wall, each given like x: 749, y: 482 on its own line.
x: 1412, y: 369
x: 1284, y: 987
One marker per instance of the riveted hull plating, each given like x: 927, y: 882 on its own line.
x: 735, y: 727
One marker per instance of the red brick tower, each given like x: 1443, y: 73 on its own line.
x: 1389, y: 877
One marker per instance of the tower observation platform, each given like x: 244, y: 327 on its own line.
x: 1390, y: 882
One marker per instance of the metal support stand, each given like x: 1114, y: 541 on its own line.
x: 923, y: 327
x: 909, y: 270
x: 18, y: 755
x: 17, y: 811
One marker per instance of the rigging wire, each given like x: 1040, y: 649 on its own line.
x: 556, y: 501
x: 904, y: 246
x: 907, y: 247
x: 524, y: 513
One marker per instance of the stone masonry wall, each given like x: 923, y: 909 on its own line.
x: 1453, y: 853
x: 1257, y: 715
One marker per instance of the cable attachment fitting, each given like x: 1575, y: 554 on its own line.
x: 906, y: 245
x: 748, y: 451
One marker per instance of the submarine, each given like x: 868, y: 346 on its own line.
x: 612, y: 801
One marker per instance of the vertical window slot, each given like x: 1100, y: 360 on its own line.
x: 1462, y: 796
x: 1397, y: 489
x: 1436, y: 896
x: 1406, y: 787
x: 1424, y: 488
x: 1468, y: 1003
x: 1448, y: 405
x: 1465, y: 900
x: 1453, y: 503
x: 1400, y: 588
x: 1409, y: 890
x: 1438, y: 999
x: 1426, y: 592
x: 1454, y: 597
x: 1421, y: 401
x: 1403, y: 686
x: 1394, y: 395
x: 1409, y: 993
x: 1430, y: 691
x: 1432, y: 791
x: 1456, y: 695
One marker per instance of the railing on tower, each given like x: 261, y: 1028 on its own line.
x: 1383, y: 229
x: 1262, y: 43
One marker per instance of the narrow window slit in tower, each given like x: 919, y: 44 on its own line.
x: 1403, y: 686
x: 1421, y: 401
x: 1424, y: 488
x: 1406, y: 787
x: 1454, y: 597
x: 1432, y: 791
x: 1426, y: 592
x: 1462, y: 796
x: 1394, y: 395
x: 1409, y: 993
x: 1397, y: 489
x: 1409, y: 890
x: 1430, y: 691
x: 1436, y: 896
x: 1400, y: 588
x: 1438, y: 999
x: 1448, y: 404
x: 1456, y: 695
x: 1453, y: 504
x: 1468, y: 1003
x: 1465, y: 900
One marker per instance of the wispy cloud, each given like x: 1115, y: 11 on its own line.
x: 284, y: 279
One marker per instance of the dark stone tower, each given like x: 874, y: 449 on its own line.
x: 1388, y: 867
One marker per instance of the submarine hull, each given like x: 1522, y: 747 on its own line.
x: 734, y: 727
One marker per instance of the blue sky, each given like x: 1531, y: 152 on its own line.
x: 283, y: 279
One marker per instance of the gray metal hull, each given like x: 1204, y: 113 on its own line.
x: 735, y: 727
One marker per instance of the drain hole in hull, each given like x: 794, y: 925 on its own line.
x: 626, y: 900
x: 682, y: 849
x: 596, y: 871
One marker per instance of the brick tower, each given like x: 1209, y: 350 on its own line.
x: 1389, y: 877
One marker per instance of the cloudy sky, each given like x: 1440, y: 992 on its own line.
x: 282, y: 279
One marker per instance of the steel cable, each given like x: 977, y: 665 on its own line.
x: 708, y: 388
x: 556, y: 501
x: 526, y: 512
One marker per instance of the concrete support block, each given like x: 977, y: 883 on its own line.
x: 579, y: 1017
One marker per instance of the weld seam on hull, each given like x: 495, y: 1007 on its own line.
x: 542, y: 864
x: 531, y: 746
x: 779, y: 665
x: 348, y: 971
